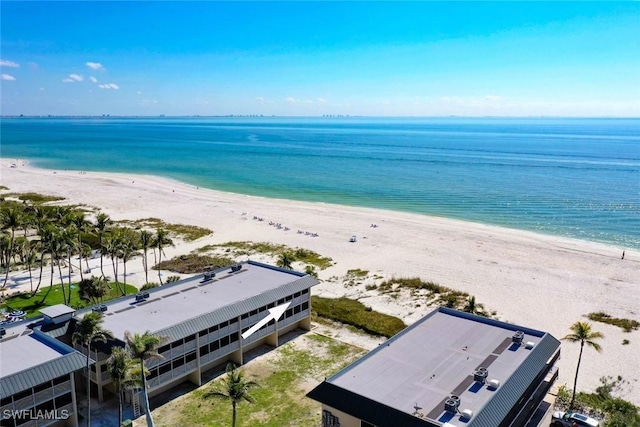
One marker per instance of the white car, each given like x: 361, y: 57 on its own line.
x: 572, y: 419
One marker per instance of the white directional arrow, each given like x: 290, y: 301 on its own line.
x: 275, y: 313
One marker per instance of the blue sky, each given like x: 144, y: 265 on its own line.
x: 307, y: 58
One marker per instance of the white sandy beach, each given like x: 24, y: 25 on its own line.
x: 539, y: 281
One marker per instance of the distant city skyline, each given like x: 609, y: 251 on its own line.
x: 568, y: 59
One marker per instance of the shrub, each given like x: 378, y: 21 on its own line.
x: 173, y: 279
x: 354, y: 313
x: 627, y: 325
x: 148, y: 286
x: 194, y: 263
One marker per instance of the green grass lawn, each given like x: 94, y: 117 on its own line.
x: 285, y: 375
x: 31, y: 304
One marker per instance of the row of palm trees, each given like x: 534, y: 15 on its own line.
x: 61, y: 233
x: 126, y: 367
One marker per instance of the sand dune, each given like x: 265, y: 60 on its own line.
x: 540, y: 281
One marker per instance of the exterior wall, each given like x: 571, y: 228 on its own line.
x: 345, y: 420
x: 55, y: 397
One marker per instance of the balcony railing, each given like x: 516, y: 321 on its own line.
x: 62, y: 388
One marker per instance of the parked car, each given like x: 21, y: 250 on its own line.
x: 572, y: 419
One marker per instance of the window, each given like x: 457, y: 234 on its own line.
x: 189, y: 338
x: 305, y: 305
x: 281, y: 301
x: 233, y: 321
x: 296, y: 295
x: 253, y: 312
x: 202, y: 333
x: 305, y: 291
x: 296, y: 309
x: 234, y: 337
x: 104, y: 367
x: 224, y: 341
x: 21, y: 395
x: 41, y: 387
x: 214, y: 346
x: 245, y: 316
x: 177, y: 362
x: 224, y: 324
x: 164, y: 368
x: 152, y: 374
x: 63, y: 400
x: 5, y: 401
x: 191, y: 357
x: 261, y: 309
x: 204, y: 349
x: 289, y: 298
x: 164, y: 348
x: 288, y: 313
x: 329, y: 420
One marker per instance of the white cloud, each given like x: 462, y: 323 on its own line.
x: 321, y: 100
x: 8, y: 77
x: 294, y: 101
x: 109, y: 86
x: 95, y: 66
x: 10, y: 64
x: 93, y: 79
x: 73, y: 78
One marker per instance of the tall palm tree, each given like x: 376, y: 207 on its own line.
x: 111, y: 247
x: 144, y: 347
x: 102, y: 222
x: 88, y: 330
x: 582, y: 333
x: 80, y: 223
x: 119, y: 366
x: 161, y: 241
x: 10, y: 218
x: 235, y: 389
x: 286, y: 260
x: 128, y: 247
x: 146, y: 240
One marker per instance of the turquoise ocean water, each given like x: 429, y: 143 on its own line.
x: 572, y: 177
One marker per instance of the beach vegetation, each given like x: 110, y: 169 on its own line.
x: 3, y: 188
x: 188, y: 233
x: 356, y: 272
x: 89, y: 330
x: 582, y: 333
x: 354, y: 313
x: 194, y: 263
x: 311, y: 270
x: 35, y: 198
x: 627, y: 325
x: 160, y: 241
x: 171, y: 279
x: 233, y: 388
x: 435, y: 293
x: 149, y: 285
x: 93, y: 290
x: 33, y: 303
x: 625, y: 342
x: 271, y: 249
x: 123, y: 373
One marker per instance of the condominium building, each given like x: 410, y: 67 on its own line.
x: 201, y: 321
x: 37, y: 379
x: 448, y: 369
x: 204, y: 322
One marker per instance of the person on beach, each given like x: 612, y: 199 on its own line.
x: 622, y: 254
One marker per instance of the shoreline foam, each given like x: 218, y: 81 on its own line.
x: 537, y: 280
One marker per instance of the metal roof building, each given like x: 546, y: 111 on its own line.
x: 448, y: 369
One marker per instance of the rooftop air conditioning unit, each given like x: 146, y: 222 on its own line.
x: 529, y: 345
x: 494, y: 384
x: 3, y: 332
x: 99, y: 308
x: 517, y: 337
x: 451, y: 405
x: 235, y: 268
x: 139, y: 297
x: 480, y: 374
x: 209, y: 275
x: 466, y: 413
x: 145, y: 294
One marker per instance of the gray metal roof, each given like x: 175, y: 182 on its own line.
x: 183, y: 308
x: 33, y: 359
x: 415, y: 371
x: 57, y: 310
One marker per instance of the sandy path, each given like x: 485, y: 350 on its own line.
x: 540, y: 281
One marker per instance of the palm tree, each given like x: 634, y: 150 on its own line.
x: 235, y: 389
x: 162, y: 239
x: 582, y: 333
x: 111, y: 247
x: 102, y: 222
x: 10, y: 218
x: 88, y: 330
x: 285, y: 260
x: 473, y: 307
x: 144, y: 347
x: 146, y: 240
x: 119, y: 366
x: 79, y: 222
x: 128, y: 247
